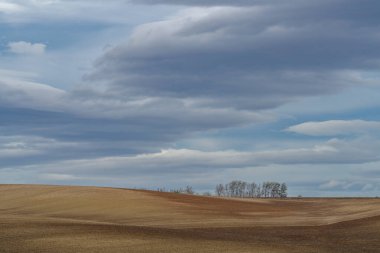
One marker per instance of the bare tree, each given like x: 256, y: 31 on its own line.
x: 189, y: 190
x: 266, y: 189
x: 233, y: 187
x: 284, y: 190
x: 258, y: 191
x: 275, y: 189
x: 251, y: 190
x: 219, y: 190
x: 241, y: 189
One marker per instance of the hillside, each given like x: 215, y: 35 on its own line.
x: 36, y: 218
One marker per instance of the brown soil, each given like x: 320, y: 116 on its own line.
x: 90, y: 219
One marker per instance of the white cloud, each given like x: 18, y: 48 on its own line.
x: 115, y: 11
x: 22, y: 146
x: 58, y: 177
x: 8, y: 8
x: 16, y: 149
x: 17, y: 152
x: 17, y: 92
x: 347, y: 185
x: 186, y: 161
x: 23, y: 47
x: 332, y: 184
x: 335, y: 127
x: 368, y: 187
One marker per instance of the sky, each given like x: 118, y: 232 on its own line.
x: 169, y: 93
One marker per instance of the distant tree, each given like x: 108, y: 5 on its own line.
x: 189, y: 190
x: 284, y: 190
x: 275, y: 189
x: 176, y: 190
x: 226, y: 191
x: 251, y: 190
x: 258, y: 191
x: 233, y: 187
x: 219, y: 190
x: 266, y: 189
x: 241, y: 189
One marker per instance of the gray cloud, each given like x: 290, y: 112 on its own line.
x: 203, y: 69
x: 188, y: 162
x: 87, y: 124
x: 217, y: 2
x: 252, y: 58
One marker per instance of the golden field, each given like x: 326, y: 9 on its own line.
x: 36, y: 218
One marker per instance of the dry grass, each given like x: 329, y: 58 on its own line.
x: 90, y: 219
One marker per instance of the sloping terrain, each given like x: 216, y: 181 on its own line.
x: 37, y: 218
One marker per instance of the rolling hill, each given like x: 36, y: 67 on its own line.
x: 37, y: 218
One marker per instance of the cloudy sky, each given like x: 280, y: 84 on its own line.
x: 166, y: 93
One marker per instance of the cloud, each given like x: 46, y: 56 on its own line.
x: 100, y: 124
x: 204, y: 2
x: 23, y: 47
x: 335, y: 127
x: 349, y: 185
x: 243, y: 57
x: 330, y: 184
x: 16, y: 152
x: 69, y: 12
x: 58, y: 177
x: 188, y: 162
x: 19, y: 150
x: 6, y: 7
x: 22, y: 93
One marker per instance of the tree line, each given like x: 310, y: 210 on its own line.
x: 187, y: 190
x: 241, y: 189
